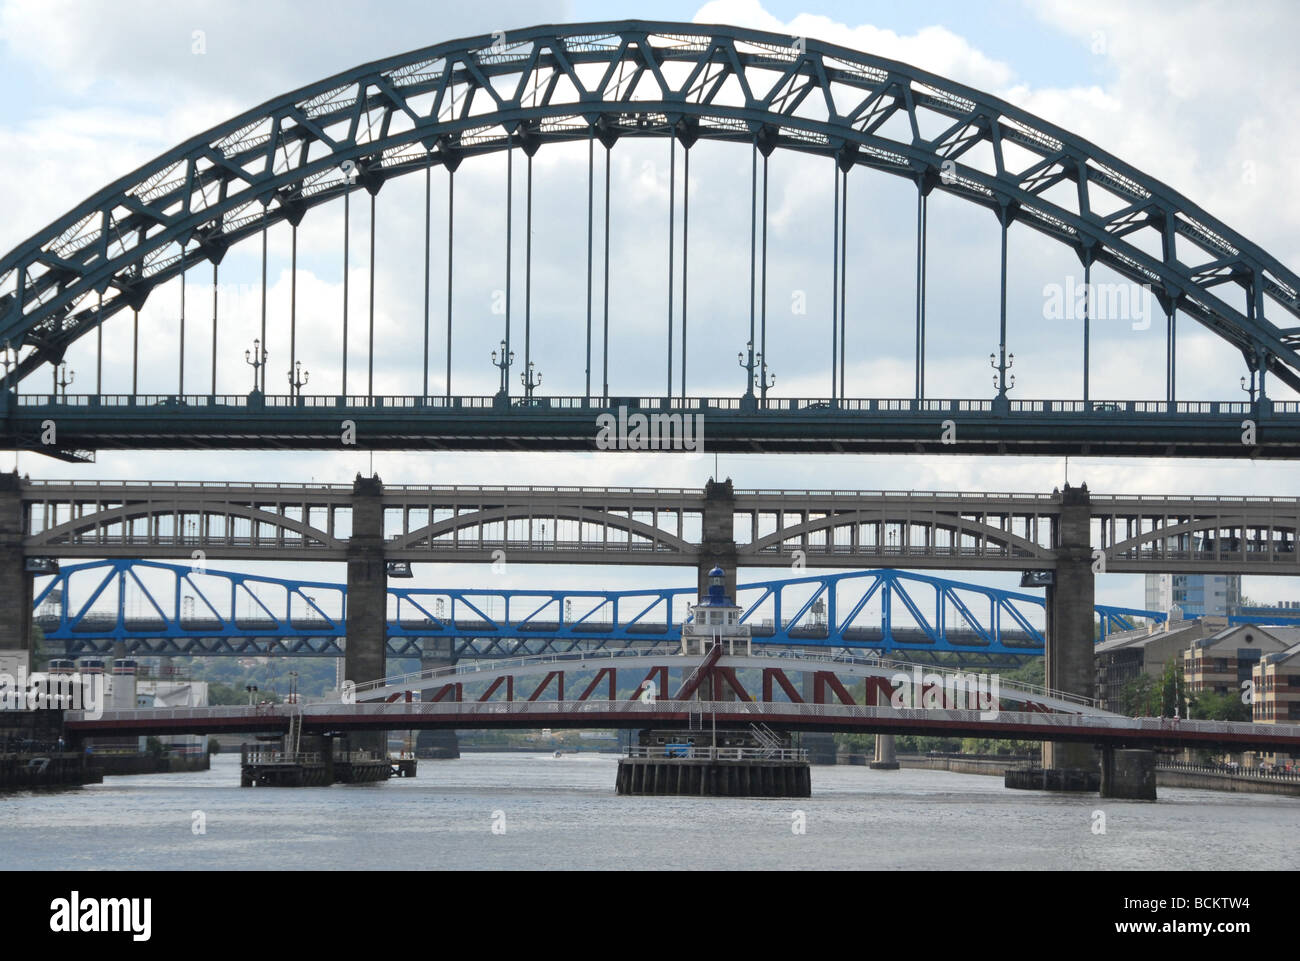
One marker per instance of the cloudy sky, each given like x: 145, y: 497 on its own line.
x: 1193, y: 93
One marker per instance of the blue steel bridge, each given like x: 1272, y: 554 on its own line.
x: 153, y: 608
x: 82, y: 280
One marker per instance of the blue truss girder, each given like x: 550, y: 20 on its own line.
x: 1006, y: 629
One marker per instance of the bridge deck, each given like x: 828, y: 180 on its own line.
x: 1093, y: 729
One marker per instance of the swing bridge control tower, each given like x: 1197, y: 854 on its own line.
x: 700, y: 759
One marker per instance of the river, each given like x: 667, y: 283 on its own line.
x: 500, y: 811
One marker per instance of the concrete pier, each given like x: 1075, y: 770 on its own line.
x: 820, y: 746
x: 436, y: 745
x: 1128, y: 774
x: 886, y: 758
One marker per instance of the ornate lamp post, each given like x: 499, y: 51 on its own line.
x: 530, y: 379
x: 503, y: 365
x: 1002, y: 380
x: 297, y: 379
x: 256, y: 358
x: 756, y: 370
x: 63, y: 376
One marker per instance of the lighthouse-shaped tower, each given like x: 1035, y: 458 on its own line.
x: 715, y: 618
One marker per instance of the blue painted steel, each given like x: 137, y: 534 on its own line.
x: 945, y: 615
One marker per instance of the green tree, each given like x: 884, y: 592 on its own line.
x: 1173, y: 697
x: 219, y: 693
x: 1209, y: 706
x: 1138, y: 697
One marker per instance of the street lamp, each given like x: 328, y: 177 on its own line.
x: 503, y: 365
x: 756, y: 368
x: 1249, y: 388
x: 256, y: 358
x: 297, y: 378
x: 1001, y: 380
x: 530, y: 382
x: 62, y: 378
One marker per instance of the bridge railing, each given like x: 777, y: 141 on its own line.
x: 799, y: 406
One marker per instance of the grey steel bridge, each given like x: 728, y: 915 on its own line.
x: 656, y: 526
x: 600, y: 84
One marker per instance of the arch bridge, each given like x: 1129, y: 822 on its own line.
x: 937, y: 530
x: 598, y: 85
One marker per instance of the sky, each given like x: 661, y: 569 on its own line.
x: 1192, y: 93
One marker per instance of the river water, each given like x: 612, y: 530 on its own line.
x: 500, y: 811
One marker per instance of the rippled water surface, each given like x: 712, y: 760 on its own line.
x: 563, y: 813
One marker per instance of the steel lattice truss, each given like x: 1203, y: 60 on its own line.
x: 437, y: 105
x: 292, y: 617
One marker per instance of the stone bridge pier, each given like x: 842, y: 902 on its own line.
x: 15, y: 581
x: 366, y: 646
x: 1068, y: 659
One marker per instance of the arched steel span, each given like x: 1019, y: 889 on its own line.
x: 437, y: 105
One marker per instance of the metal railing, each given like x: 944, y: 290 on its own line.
x: 267, y: 758
x: 797, y: 406
x: 1047, y: 501
x: 691, y: 752
x: 1231, y: 770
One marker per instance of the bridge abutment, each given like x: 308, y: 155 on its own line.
x: 364, y: 655
x: 15, y: 581
x: 1068, y: 655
